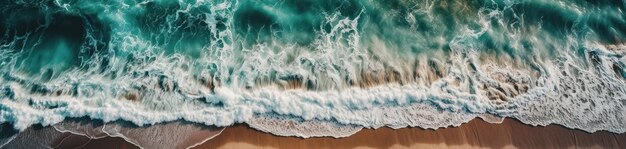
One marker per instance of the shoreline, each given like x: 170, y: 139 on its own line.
x: 477, y: 133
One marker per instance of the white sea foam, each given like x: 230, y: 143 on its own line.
x: 550, y: 84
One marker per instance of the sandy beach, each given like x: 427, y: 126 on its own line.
x: 474, y: 134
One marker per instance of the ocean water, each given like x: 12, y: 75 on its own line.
x: 312, y: 68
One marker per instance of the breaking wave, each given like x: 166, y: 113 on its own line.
x: 314, y: 68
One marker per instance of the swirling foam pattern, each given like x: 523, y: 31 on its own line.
x: 314, y: 67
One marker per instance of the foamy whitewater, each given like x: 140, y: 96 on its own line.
x: 312, y: 68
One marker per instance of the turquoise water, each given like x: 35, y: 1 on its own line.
x: 329, y: 68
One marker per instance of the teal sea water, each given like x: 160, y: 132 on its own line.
x: 314, y: 67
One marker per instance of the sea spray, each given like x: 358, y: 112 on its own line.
x: 328, y: 68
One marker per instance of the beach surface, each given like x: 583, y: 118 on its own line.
x: 474, y: 134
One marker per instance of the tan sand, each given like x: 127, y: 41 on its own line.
x: 475, y: 134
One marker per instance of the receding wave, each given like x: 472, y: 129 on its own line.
x: 314, y: 68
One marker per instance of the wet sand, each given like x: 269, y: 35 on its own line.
x: 475, y: 134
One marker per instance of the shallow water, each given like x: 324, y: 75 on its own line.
x: 322, y: 68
